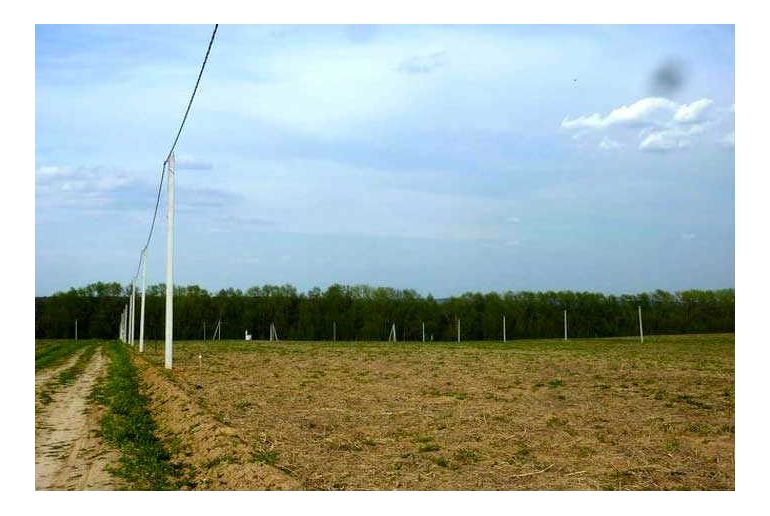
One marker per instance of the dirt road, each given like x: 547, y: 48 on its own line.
x: 68, y: 452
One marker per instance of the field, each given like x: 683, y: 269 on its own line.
x: 539, y: 415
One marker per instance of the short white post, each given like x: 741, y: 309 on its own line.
x: 141, y: 310
x: 169, y: 349
x: 503, y: 328
x: 76, y: 330
x: 641, y: 331
x: 565, y: 325
x: 423, y: 331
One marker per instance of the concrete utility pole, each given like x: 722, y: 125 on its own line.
x: 169, y: 349
x: 503, y: 328
x: 423, y: 331
x: 144, y: 291
x: 565, y: 325
x: 132, y: 312
x: 124, y: 324
x: 641, y: 331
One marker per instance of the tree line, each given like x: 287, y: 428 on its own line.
x: 362, y: 312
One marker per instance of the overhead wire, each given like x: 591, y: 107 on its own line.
x: 142, y: 254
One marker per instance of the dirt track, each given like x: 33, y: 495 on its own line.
x: 68, y: 451
x: 44, y: 376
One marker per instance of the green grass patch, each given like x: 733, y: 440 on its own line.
x: 265, y: 456
x: 53, y: 353
x: 466, y: 456
x: 556, y: 382
x: 127, y: 424
x: 69, y: 375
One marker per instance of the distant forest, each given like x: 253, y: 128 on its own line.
x: 367, y: 313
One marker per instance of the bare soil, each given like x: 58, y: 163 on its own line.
x: 69, y: 455
x: 214, y: 454
x: 536, y: 415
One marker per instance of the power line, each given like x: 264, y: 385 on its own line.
x: 173, y: 146
x: 189, y: 104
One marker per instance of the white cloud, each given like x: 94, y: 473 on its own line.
x: 609, y: 144
x: 728, y: 140
x: 670, y: 139
x: 80, y: 179
x: 643, y: 112
x: 694, y: 112
x: 192, y: 163
x: 665, y: 124
x: 423, y: 64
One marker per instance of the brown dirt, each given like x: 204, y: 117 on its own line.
x: 68, y: 452
x: 46, y: 375
x: 606, y: 414
x: 215, y: 455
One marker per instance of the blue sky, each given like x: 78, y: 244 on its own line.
x: 439, y: 158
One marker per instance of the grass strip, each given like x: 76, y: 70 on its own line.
x: 55, y: 353
x: 69, y: 375
x: 128, y: 425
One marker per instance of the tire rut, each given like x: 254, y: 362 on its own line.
x: 68, y: 452
x: 44, y: 376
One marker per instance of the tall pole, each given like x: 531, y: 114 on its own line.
x: 76, y: 330
x: 503, y: 328
x: 123, y: 325
x: 128, y: 319
x: 458, y: 329
x: 132, y: 314
x: 170, y: 264
x: 565, y: 325
x: 141, y: 310
x: 423, y: 331
x: 641, y: 331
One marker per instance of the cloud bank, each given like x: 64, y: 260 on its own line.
x: 662, y: 125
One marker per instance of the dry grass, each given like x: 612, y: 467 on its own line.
x: 598, y: 414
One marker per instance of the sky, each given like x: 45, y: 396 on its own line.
x: 444, y: 159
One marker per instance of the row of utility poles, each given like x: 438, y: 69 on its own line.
x: 127, y: 335
x: 392, y: 335
x: 128, y: 317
